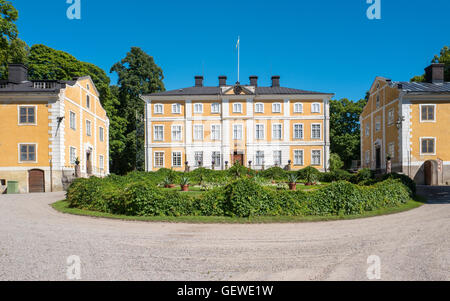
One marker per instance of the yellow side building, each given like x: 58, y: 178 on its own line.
x: 46, y: 126
x: 409, y: 123
x: 215, y: 126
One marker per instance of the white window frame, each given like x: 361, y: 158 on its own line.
x: 367, y: 156
x: 302, y: 163
x: 19, y: 145
x: 240, y: 132
x: 275, y: 157
x: 176, y: 108
x: 259, y: 104
x: 421, y: 150
x: 215, y: 108
x: 197, y: 138
x: 27, y: 106
x: 303, y: 131
x: 392, y: 154
x: 158, y: 109
x: 74, y: 119
x: 377, y: 124
x: 312, y: 131
x: 216, y: 132
x: 172, y: 131
x: 367, y: 130
x: 88, y: 127
x: 273, y: 131
x: 101, y: 134
x: 298, y: 105
x: 259, y: 158
x: 276, y: 107
x: 72, y: 160
x: 318, y: 106
x: 377, y: 101
x: 163, y: 159
x: 101, y: 162
x: 154, y: 132
x: 257, y: 137
x: 88, y: 101
x: 216, y: 155
x: 434, y: 113
x: 391, y: 116
x: 237, y: 105
x: 196, y: 157
x: 198, y: 108
x: 180, y: 157
x: 320, y: 157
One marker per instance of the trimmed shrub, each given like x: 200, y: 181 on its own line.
x: 211, y: 203
x: 336, y: 175
x: 364, y: 175
x: 335, y: 162
x: 274, y: 173
x: 243, y: 198
x: 407, y: 181
x: 309, y: 174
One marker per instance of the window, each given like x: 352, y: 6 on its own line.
x: 176, y: 108
x: 277, y: 158
x: 316, y: 131
x: 88, y: 101
x: 315, y: 108
x: 73, y: 120
x: 215, y: 132
x: 427, y: 146
x: 367, y: 130
x: 259, y: 108
x: 298, y: 131
x: 298, y: 157
x: 298, y: 108
x: 390, y: 117
x: 198, y: 158
x: 176, y: 159
x: 378, y: 101
x: 276, y: 132
x: 101, y: 135
x: 215, y: 108
x: 315, y: 157
x: 159, y: 109
x: 391, y: 150
x: 72, y: 155
x: 276, y: 107
x: 27, y: 152
x: 27, y: 115
x: 176, y: 133
x: 198, y: 132
x: 216, y: 159
x: 158, y: 133
x: 377, y: 124
x: 367, y: 157
x: 427, y: 113
x: 101, y: 162
x: 198, y: 108
x: 237, y: 132
x: 87, y: 87
x: 159, y: 159
x: 237, y: 108
x: 259, y: 132
x: 259, y: 158
x: 88, y: 128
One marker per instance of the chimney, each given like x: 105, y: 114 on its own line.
x: 435, y: 73
x: 18, y: 73
x: 199, y: 81
x: 275, y: 81
x: 222, y: 81
x: 254, y: 80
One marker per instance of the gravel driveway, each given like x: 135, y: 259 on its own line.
x: 35, y: 242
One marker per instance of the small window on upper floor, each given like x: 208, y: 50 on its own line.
x: 378, y: 103
x: 73, y: 120
x: 315, y: 108
x: 27, y: 115
x: 298, y: 108
x: 87, y: 87
x: 427, y: 113
x: 215, y: 108
x: 88, y: 102
x: 176, y: 108
x: 101, y: 134
x: 198, y: 108
x: 391, y: 117
x: 237, y: 108
x: 377, y: 124
x: 276, y: 107
x: 367, y: 130
x: 259, y: 108
x: 159, y: 108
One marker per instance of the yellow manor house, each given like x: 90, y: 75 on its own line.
x: 216, y: 126
x: 409, y: 123
x: 46, y: 126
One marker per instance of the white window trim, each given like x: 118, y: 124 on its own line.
x: 220, y: 132
x: 367, y: 130
x: 154, y: 132
x: 242, y: 131
x: 100, y: 161
x: 427, y: 121
x: 273, y: 107
x: 70, y: 126
x: 377, y: 121
x: 273, y: 136
x: 155, y: 111
x: 203, y: 132
x: 212, y: 106
x: 427, y: 154
x: 391, y: 144
x: 256, y: 105
x: 263, y: 157
x: 88, y: 127
x: 181, y: 160
x: 263, y: 131
x: 293, y: 131
x: 320, y: 152
x: 235, y: 105
x: 101, y: 130
x: 312, y: 106
x: 367, y: 158
x: 201, y: 108
x: 35, y: 148
x: 88, y: 102
x: 18, y: 115
x: 391, y: 122
x: 70, y: 162
x: 181, y: 131
x: 164, y: 159
x: 312, y: 125
x: 303, y: 157
x: 301, y: 107
x: 178, y: 106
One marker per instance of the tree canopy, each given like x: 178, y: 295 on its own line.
x: 444, y: 58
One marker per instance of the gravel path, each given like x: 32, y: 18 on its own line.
x: 35, y: 242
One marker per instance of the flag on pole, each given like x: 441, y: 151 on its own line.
x: 238, y: 41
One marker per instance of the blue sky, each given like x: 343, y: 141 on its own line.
x: 326, y: 45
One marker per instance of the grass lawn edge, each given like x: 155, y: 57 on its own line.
x: 62, y: 207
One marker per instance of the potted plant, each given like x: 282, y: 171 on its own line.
x: 310, y: 176
x: 292, y: 178
x: 184, y: 184
x: 167, y: 182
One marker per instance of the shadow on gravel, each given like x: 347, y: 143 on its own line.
x: 435, y: 194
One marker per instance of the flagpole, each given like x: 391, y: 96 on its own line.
x: 239, y: 55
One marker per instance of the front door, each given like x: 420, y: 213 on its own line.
x: 238, y: 158
x: 378, y: 157
x: 36, y: 181
x: 88, y: 163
